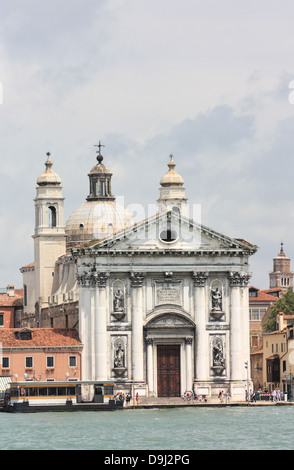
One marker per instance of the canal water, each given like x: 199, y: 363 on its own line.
x: 207, y: 428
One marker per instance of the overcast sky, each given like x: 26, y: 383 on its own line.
x: 206, y: 80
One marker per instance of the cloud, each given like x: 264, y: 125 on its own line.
x: 206, y: 81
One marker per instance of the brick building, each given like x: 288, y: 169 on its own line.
x: 40, y: 354
x: 260, y: 302
x: 11, y: 306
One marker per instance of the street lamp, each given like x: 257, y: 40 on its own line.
x: 247, y: 367
x: 290, y: 386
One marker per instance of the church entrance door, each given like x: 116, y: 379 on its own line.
x: 168, y: 370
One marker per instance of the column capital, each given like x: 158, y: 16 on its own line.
x: 92, y: 279
x: 149, y: 340
x: 237, y: 279
x: 137, y: 279
x: 188, y: 340
x: 199, y: 278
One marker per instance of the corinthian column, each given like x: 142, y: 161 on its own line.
x: 84, y: 326
x: 237, y: 281
x: 200, y: 320
x: 137, y: 279
x: 189, y: 375
x: 100, y: 335
x: 150, y: 365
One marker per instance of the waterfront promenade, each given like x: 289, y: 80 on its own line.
x: 174, y: 402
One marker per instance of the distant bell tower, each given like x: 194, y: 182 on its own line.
x: 49, y: 237
x: 281, y: 276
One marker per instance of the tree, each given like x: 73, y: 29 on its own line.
x: 285, y: 304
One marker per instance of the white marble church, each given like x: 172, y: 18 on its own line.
x: 162, y: 304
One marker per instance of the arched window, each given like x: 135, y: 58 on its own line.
x: 51, y: 214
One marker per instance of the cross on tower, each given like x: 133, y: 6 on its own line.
x: 99, y: 157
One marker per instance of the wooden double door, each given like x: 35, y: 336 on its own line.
x: 168, y: 370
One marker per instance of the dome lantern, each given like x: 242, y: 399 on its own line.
x: 100, y: 180
x: 100, y: 216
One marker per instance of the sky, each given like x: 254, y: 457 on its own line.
x: 211, y: 82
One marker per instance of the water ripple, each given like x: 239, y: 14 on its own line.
x: 232, y: 428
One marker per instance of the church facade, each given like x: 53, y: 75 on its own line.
x: 163, y: 303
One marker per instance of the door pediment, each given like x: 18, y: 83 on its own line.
x: 169, y: 320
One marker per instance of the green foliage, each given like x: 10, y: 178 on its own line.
x: 285, y: 304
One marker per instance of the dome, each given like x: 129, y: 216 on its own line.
x: 48, y: 176
x: 172, y: 177
x: 100, y: 168
x: 95, y: 220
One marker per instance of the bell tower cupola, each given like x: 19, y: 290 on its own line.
x: 172, y: 191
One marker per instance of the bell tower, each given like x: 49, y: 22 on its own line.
x: 172, y: 192
x: 281, y: 276
x: 49, y: 237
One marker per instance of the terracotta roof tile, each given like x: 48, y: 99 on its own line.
x: 15, y: 301
x: 263, y: 297
x: 40, y: 337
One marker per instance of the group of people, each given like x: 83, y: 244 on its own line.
x: 190, y: 396
x: 125, y: 398
x: 275, y: 395
x: 224, y: 395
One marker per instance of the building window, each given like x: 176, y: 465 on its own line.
x: 1, y: 319
x: 25, y: 295
x: 168, y: 235
x: 51, y: 216
x: 29, y: 362
x: 254, y: 341
x: 262, y: 312
x: 72, y: 361
x: 50, y: 362
x: 24, y: 335
x: 102, y: 188
x: 284, y: 366
x: 5, y: 363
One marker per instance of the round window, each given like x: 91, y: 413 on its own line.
x: 168, y: 235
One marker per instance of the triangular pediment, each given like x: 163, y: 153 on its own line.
x: 173, y: 232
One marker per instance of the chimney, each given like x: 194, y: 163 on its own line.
x: 10, y: 290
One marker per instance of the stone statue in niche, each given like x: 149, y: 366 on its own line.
x: 118, y: 301
x: 119, y: 358
x: 218, y: 360
x: 119, y: 361
x: 216, y: 298
x: 216, y: 303
x: 218, y: 354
